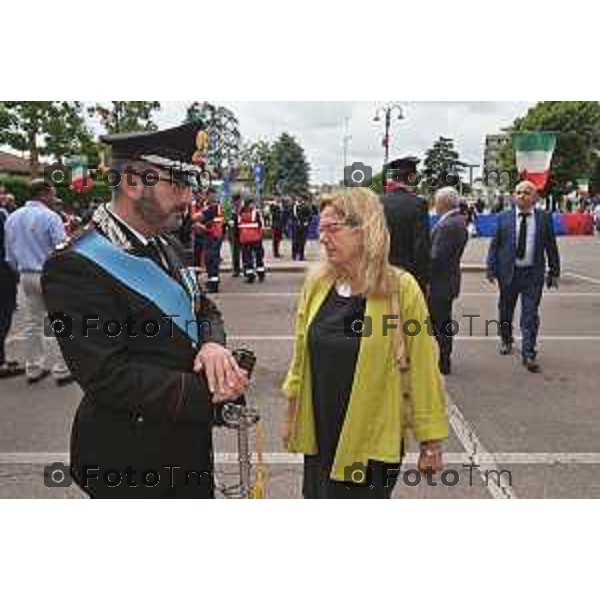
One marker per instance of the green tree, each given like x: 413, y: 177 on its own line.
x: 126, y: 116
x: 49, y: 128
x: 263, y: 153
x: 292, y: 170
x: 577, y: 125
x: 223, y: 130
x: 442, y: 165
x: 68, y: 134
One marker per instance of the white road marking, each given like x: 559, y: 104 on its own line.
x: 285, y: 458
x: 583, y: 277
x: 477, y: 455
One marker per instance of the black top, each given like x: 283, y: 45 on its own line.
x: 8, y: 278
x: 407, y: 219
x: 333, y: 356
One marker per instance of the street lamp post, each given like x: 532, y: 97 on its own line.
x: 387, y: 111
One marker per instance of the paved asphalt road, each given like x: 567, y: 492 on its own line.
x: 544, y: 429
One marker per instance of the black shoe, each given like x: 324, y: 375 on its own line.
x: 261, y: 277
x: 235, y: 274
x: 250, y: 278
x: 506, y: 348
x: 212, y: 287
x: 531, y: 364
x: 11, y: 369
x: 42, y: 375
x: 65, y: 381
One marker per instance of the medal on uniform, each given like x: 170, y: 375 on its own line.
x: 190, y: 283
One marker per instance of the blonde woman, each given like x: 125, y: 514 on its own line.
x: 343, y: 386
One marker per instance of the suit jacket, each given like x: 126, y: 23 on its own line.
x: 143, y: 406
x: 448, y: 241
x: 503, y: 248
x: 8, y: 278
x: 407, y: 218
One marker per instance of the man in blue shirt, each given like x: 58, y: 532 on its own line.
x: 32, y: 233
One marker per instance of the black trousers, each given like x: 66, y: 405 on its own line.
x: 298, y: 242
x: 380, y: 480
x: 7, y: 308
x: 316, y: 485
x: 236, y: 253
x: 440, y: 308
x: 277, y: 234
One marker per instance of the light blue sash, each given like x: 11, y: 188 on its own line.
x: 143, y: 276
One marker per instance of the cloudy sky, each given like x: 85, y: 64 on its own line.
x: 319, y: 127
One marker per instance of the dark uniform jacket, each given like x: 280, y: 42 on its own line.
x: 301, y: 216
x: 8, y: 278
x: 448, y: 241
x: 143, y: 406
x: 276, y: 217
x: 407, y: 218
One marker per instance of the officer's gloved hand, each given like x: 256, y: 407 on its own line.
x: 551, y: 282
x: 222, y: 407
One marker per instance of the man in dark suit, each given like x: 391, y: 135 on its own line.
x: 9, y: 281
x: 448, y: 241
x: 407, y: 218
x: 301, y: 217
x: 142, y: 340
x: 517, y: 260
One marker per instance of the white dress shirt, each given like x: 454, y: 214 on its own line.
x: 530, y: 247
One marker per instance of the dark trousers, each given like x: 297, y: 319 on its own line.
x: 298, y: 242
x: 253, y: 257
x: 381, y: 479
x: 277, y: 235
x: 529, y: 285
x: 213, y: 257
x: 199, y: 249
x: 236, y: 252
x: 440, y: 308
x: 8, y: 303
x: 6, y: 314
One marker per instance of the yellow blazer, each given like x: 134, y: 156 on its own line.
x: 373, y: 425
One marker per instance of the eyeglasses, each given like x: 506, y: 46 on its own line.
x: 333, y: 227
x: 179, y: 184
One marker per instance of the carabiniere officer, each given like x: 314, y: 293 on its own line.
x: 144, y: 426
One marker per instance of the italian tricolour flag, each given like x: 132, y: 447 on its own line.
x: 534, y: 154
x: 80, y: 179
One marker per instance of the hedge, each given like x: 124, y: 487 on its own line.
x: 20, y: 189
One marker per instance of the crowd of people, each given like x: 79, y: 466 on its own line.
x: 352, y: 398
x: 207, y: 224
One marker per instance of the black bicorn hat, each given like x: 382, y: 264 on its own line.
x: 399, y: 167
x: 185, y: 145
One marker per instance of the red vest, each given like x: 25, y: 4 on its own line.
x: 249, y: 227
x: 215, y: 228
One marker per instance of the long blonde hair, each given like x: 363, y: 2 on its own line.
x: 361, y: 208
